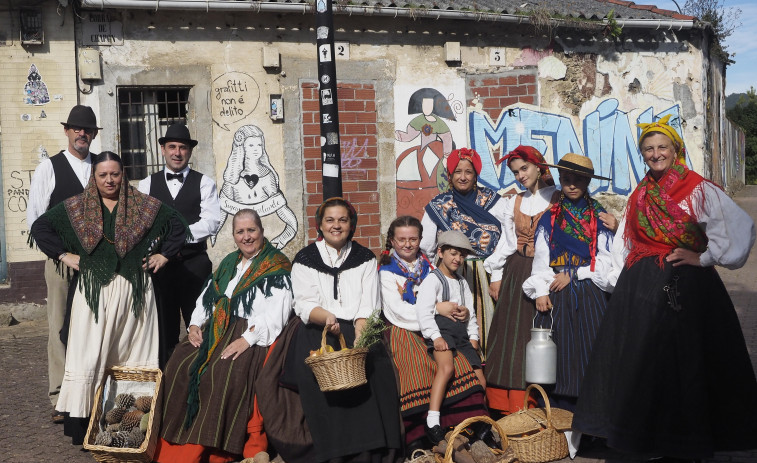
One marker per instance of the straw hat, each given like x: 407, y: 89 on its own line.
x: 577, y: 164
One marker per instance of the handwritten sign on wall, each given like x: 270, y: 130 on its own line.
x: 235, y: 96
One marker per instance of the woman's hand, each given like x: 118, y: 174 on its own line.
x: 494, y: 289
x: 461, y: 314
x: 359, y: 325
x: 195, y: 335
x: 235, y: 349
x: 332, y: 324
x: 609, y: 221
x: 440, y: 345
x: 447, y: 309
x: 71, y: 260
x: 681, y: 256
x: 561, y: 280
x: 154, y: 262
x: 543, y: 304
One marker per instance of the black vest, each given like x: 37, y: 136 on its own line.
x: 187, y: 202
x: 66, y: 182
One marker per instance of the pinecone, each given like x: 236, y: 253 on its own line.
x: 136, y: 437
x: 131, y: 420
x: 104, y: 438
x: 125, y: 401
x: 114, y: 415
x: 119, y: 439
x: 113, y: 427
x: 144, y: 403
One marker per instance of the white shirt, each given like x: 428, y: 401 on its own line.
x: 542, y: 275
x: 358, y: 287
x: 210, y: 207
x: 530, y: 205
x: 43, y: 184
x: 268, y: 315
x: 399, y: 312
x: 730, y: 232
x: 428, y: 242
x: 430, y: 293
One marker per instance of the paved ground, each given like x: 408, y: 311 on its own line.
x: 28, y: 436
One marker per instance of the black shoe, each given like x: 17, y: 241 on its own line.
x: 483, y: 432
x: 58, y: 417
x: 434, y: 434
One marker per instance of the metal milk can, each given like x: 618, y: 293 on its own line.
x: 541, y: 356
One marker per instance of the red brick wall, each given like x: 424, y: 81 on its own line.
x: 27, y: 283
x: 499, y: 91
x: 358, y: 136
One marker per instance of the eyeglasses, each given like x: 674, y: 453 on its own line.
x: 81, y: 129
x: 405, y: 241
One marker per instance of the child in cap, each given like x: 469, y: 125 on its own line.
x: 446, y: 337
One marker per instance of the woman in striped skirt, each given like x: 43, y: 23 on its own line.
x: 569, y: 276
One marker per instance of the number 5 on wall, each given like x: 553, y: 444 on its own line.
x: 496, y: 57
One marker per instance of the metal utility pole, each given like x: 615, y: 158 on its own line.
x: 330, y: 149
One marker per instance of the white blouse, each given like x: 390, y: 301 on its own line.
x: 358, y: 292
x: 430, y: 293
x: 268, y: 315
x: 542, y: 275
x: 730, y: 232
x: 428, y: 242
x: 530, y: 205
x: 399, y: 312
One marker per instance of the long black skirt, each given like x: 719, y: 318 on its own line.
x: 578, y: 311
x: 670, y: 373
x: 510, y: 328
x: 357, y: 425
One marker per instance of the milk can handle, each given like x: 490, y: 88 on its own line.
x: 551, y: 318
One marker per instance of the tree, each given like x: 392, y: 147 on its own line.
x: 744, y: 115
x: 724, y: 22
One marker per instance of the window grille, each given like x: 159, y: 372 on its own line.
x: 144, y: 114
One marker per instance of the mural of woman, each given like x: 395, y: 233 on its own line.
x: 418, y: 183
x: 250, y: 181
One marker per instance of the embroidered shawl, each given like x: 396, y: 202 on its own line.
x: 468, y: 213
x: 412, y: 279
x: 655, y: 221
x: 269, y: 269
x: 571, y: 229
x: 311, y: 258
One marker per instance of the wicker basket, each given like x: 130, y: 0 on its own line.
x: 535, y: 440
x: 461, y: 427
x: 340, y: 370
x: 144, y: 453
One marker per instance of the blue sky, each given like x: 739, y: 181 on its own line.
x: 743, y: 74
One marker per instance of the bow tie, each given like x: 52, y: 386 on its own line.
x: 179, y: 177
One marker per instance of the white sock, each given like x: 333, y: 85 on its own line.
x: 432, y: 419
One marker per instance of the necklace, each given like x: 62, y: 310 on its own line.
x: 113, y: 241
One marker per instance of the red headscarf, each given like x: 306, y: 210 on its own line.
x: 463, y: 153
x: 532, y: 155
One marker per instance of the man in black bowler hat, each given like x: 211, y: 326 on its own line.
x: 194, y: 195
x: 55, y: 180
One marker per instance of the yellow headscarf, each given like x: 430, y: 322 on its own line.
x: 664, y: 128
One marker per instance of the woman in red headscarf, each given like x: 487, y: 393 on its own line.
x: 511, y: 322
x: 477, y: 212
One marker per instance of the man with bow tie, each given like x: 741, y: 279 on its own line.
x: 194, y: 195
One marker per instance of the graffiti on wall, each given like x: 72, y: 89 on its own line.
x: 35, y: 90
x: 426, y: 137
x: 609, y: 139
x: 250, y: 182
x: 235, y: 95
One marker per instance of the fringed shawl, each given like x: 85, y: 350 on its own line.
x: 269, y: 269
x: 655, y: 221
x: 111, y: 243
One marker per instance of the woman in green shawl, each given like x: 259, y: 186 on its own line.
x: 113, y: 236
x: 210, y: 378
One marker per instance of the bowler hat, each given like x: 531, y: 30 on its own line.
x: 178, y: 132
x: 454, y: 238
x: 577, y: 164
x: 82, y: 116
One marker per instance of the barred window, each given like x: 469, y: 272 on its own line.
x: 144, y: 114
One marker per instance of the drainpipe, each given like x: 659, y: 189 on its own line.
x: 414, y: 13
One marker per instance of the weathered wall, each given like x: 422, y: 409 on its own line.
x: 569, y: 92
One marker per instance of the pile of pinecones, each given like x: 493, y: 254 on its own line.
x: 126, y: 422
